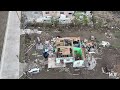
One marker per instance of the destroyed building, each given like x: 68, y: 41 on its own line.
x: 71, y: 50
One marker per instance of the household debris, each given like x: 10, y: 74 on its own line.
x: 92, y: 38
x: 105, y: 70
x: 91, y: 64
x: 30, y: 31
x: 110, y: 73
x: 39, y: 46
x: 116, y: 69
x: 105, y: 44
x: 108, y: 35
x: 78, y: 63
x: 34, y: 70
x: 113, y: 75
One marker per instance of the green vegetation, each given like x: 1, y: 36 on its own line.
x: 80, y: 18
x: 85, y: 20
x: 54, y: 21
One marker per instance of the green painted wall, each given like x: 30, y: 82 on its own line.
x: 79, y: 51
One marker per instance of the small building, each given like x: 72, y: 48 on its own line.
x: 62, y: 16
x: 58, y: 13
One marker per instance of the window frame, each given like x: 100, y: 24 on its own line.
x: 47, y: 12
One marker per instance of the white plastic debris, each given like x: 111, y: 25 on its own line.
x: 28, y: 31
x: 39, y: 20
x: 112, y: 27
x: 30, y: 20
x: 46, y: 50
x: 92, y: 38
x: 46, y: 42
x: 39, y: 32
x: 88, y: 13
x: 38, y: 39
x: 39, y: 46
x: 53, y: 40
x: 79, y: 63
x: 92, y: 50
x: 108, y: 35
x: 103, y: 71
x: 92, y: 64
x: 112, y: 75
x: 34, y: 70
x: 85, y: 40
x: 105, y: 44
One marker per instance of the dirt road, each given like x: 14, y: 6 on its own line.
x: 3, y: 22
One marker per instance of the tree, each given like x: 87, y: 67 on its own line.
x: 85, y: 20
x: 80, y: 18
x: 54, y: 21
x: 77, y: 20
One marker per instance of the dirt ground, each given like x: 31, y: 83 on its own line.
x: 109, y: 57
x: 3, y: 22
